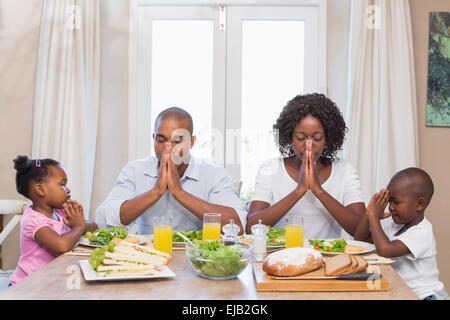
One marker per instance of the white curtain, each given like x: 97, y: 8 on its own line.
x: 67, y: 91
x: 382, y: 109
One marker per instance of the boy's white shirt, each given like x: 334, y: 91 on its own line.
x: 418, y: 268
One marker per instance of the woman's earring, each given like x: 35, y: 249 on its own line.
x: 325, y: 153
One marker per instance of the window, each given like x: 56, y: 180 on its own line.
x: 232, y: 67
x: 182, y: 69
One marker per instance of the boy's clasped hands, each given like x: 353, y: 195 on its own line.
x: 377, y: 205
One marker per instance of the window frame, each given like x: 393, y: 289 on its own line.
x: 226, y: 114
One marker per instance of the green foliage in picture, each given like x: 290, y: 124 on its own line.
x: 438, y: 94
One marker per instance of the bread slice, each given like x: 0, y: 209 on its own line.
x: 352, y: 267
x: 362, y: 263
x: 337, y: 264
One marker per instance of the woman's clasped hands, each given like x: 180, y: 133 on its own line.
x: 309, y: 171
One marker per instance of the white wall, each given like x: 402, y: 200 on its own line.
x: 19, y: 36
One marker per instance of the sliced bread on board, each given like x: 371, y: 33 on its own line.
x: 337, y: 264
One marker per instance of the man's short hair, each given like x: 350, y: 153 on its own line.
x: 177, y: 114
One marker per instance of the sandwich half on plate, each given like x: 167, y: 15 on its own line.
x: 127, y: 259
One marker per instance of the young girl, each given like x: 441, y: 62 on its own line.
x: 54, y: 223
x: 404, y: 232
x: 308, y: 180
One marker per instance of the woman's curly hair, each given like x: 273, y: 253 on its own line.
x: 320, y: 107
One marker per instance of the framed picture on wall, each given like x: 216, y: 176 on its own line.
x: 438, y: 92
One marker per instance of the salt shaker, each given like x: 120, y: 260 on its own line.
x: 259, y: 239
x: 230, y: 233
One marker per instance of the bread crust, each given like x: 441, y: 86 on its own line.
x: 337, y: 265
x: 300, y: 261
x: 362, y: 264
x: 352, y: 267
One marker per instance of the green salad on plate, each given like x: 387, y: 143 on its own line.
x: 337, y: 245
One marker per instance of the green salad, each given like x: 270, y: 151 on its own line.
x: 103, y: 237
x: 218, y: 261
x: 190, y: 234
x: 337, y: 245
x: 276, y: 237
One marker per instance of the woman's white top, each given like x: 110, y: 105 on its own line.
x: 273, y: 183
x: 418, y: 268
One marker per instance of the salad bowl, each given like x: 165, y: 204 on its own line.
x: 213, y: 260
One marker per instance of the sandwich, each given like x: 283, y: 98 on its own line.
x: 128, y: 239
x: 127, y: 259
x: 350, y: 248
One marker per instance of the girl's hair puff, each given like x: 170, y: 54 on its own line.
x: 29, y: 170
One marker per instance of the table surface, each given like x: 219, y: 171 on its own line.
x: 62, y: 278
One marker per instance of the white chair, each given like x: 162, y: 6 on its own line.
x: 237, y: 185
x: 9, y: 207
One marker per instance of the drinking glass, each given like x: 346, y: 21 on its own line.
x: 294, y: 231
x: 162, y: 233
x: 211, y: 226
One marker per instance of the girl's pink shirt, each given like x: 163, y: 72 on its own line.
x: 33, y: 256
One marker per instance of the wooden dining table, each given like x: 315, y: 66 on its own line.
x: 62, y: 278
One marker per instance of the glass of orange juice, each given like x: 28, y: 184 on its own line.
x: 294, y: 232
x: 162, y: 234
x: 211, y: 226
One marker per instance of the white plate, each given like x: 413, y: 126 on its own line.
x: 368, y: 247
x: 91, y: 275
x: 85, y: 241
x: 175, y: 245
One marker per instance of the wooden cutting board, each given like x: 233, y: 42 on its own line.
x: 265, y: 283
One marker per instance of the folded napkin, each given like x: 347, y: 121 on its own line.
x: 80, y: 251
x: 75, y: 253
x: 373, y: 258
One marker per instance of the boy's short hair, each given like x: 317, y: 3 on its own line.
x: 420, y: 183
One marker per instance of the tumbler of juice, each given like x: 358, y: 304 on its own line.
x: 294, y: 232
x: 162, y: 234
x: 211, y: 226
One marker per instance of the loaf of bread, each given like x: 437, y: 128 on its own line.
x: 292, y: 262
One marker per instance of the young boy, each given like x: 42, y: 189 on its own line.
x: 404, y: 233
